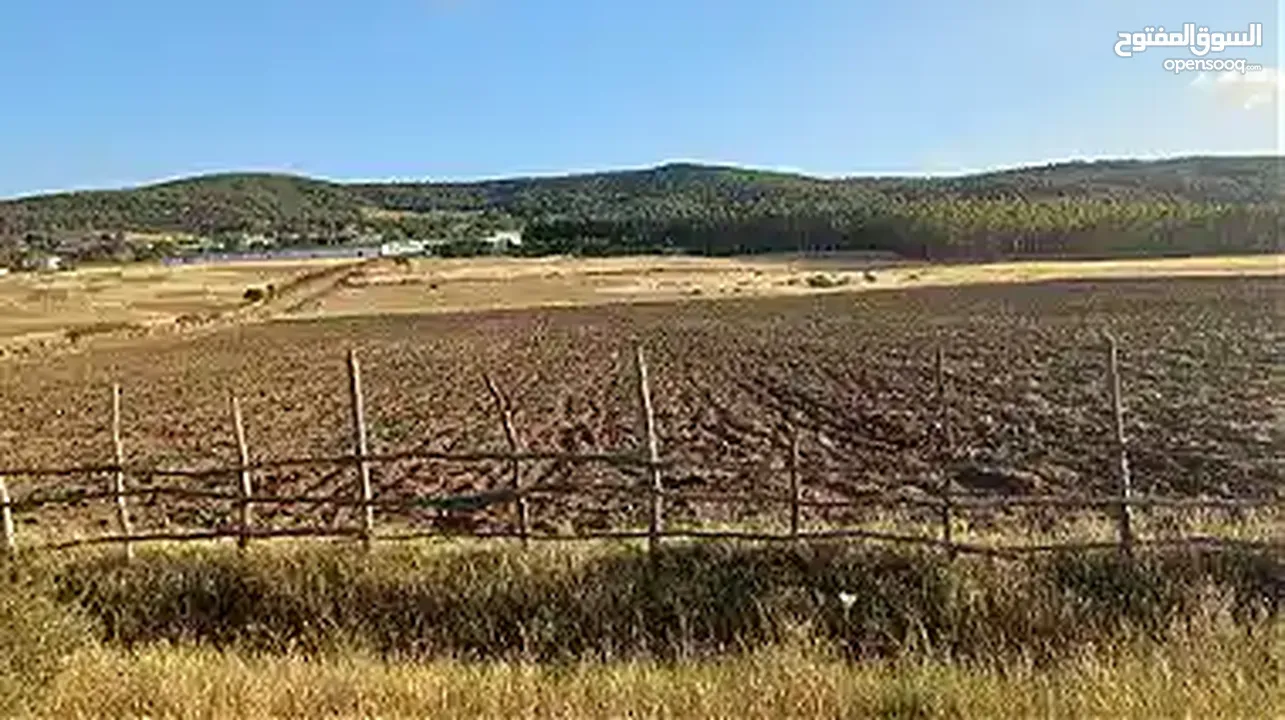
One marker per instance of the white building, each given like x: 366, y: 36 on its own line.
x: 504, y: 240
x: 43, y: 263
x: 402, y: 248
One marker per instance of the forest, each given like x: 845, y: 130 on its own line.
x: 1186, y: 206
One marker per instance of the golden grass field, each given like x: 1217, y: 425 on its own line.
x: 1219, y: 680
x: 461, y: 285
x: 34, y: 304
x: 1203, y: 666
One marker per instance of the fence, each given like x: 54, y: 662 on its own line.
x: 946, y: 505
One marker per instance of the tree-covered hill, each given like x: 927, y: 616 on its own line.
x: 202, y: 205
x: 1209, y: 179
x: 1189, y: 205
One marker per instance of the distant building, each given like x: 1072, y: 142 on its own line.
x: 498, y: 242
x: 504, y: 240
x: 333, y: 252
x: 259, y: 240
x: 403, y: 248
x: 43, y: 263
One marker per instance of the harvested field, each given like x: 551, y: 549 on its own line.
x: 457, y: 285
x: 1025, y: 368
x: 133, y: 299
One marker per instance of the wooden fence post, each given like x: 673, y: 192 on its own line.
x: 361, y: 446
x: 1125, y: 517
x: 944, y: 450
x: 796, y: 492
x: 657, y: 524
x: 515, y: 466
x: 118, y: 484
x: 247, y: 489
x: 6, y: 519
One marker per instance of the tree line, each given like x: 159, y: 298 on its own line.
x: 1189, y: 206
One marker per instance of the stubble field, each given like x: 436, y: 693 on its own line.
x: 114, y: 299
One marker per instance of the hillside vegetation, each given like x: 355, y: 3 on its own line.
x: 1112, y: 208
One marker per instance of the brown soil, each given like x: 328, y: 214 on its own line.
x: 1028, y: 405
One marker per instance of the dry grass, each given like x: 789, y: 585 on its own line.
x: 701, y: 632
x: 458, y: 285
x: 38, y: 303
x: 608, y: 602
x: 1227, y: 679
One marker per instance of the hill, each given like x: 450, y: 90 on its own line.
x: 1181, y: 206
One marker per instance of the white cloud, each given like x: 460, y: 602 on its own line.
x: 1249, y: 91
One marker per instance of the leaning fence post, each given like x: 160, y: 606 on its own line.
x: 944, y: 449
x: 118, y: 484
x: 243, y: 450
x: 796, y: 492
x: 1125, y: 517
x: 515, y: 466
x: 6, y: 519
x: 361, y: 447
x: 652, y: 449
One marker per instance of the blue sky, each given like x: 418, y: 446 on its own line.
x: 115, y: 93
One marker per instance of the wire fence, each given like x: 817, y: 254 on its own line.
x: 945, y: 503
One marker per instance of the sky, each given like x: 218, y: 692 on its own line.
x: 108, y: 94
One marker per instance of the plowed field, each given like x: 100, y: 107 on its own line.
x: 1025, y: 369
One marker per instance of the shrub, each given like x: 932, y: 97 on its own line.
x: 77, y: 334
x: 36, y: 636
x: 826, y: 281
x: 254, y: 295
